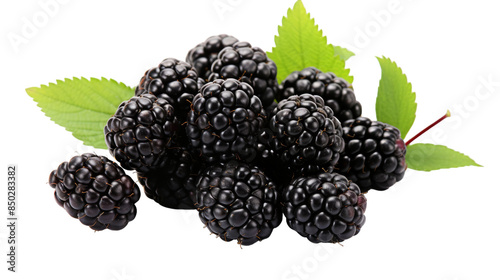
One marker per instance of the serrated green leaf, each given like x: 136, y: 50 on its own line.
x: 395, y: 103
x: 428, y: 157
x: 301, y: 44
x: 82, y: 106
x: 343, y: 53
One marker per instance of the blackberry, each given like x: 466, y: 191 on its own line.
x: 173, y: 80
x: 324, y: 208
x: 204, y: 54
x: 374, y: 157
x: 96, y: 191
x: 251, y: 65
x: 305, y: 134
x: 268, y: 160
x: 174, y: 185
x: 336, y: 92
x: 201, y: 83
x: 140, y: 132
x: 224, y: 121
x: 237, y: 201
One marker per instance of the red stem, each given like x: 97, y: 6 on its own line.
x: 429, y: 127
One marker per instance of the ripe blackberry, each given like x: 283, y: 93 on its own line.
x: 336, y: 92
x: 201, y: 82
x: 173, y: 80
x: 250, y: 65
x: 324, y: 208
x: 306, y: 136
x: 96, y: 191
x: 237, y: 201
x: 174, y: 185
x: 140, y: 132
x: 224, y: 121
x: 374, y: 157
x: 268, y: 160
x: 204, y: 54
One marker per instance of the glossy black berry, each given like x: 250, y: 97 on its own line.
x: 174, y: 185
x: 173, y: 80
x: 251, y: 65
x: 140, y: 132
x: 335, y: 91
x: 374, y: 157
x: 236, y: 201
x: 96, y: 191
x: 268, y: 160
x: 224, y: 121
x: 204, y: 54
x: 305, y: 135
x: 324, y: 208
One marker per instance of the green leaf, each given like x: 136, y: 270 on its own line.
x: 301, y: 44
x: 428, y: 157
x: 395, y: 103
x: 81, y: 106
x: 343, y: 53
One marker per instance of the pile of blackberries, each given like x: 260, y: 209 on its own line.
x: 218, y: 134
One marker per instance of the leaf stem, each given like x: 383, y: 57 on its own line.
x: 448, y: 114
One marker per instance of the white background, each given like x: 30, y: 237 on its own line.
x: 439, y: 225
